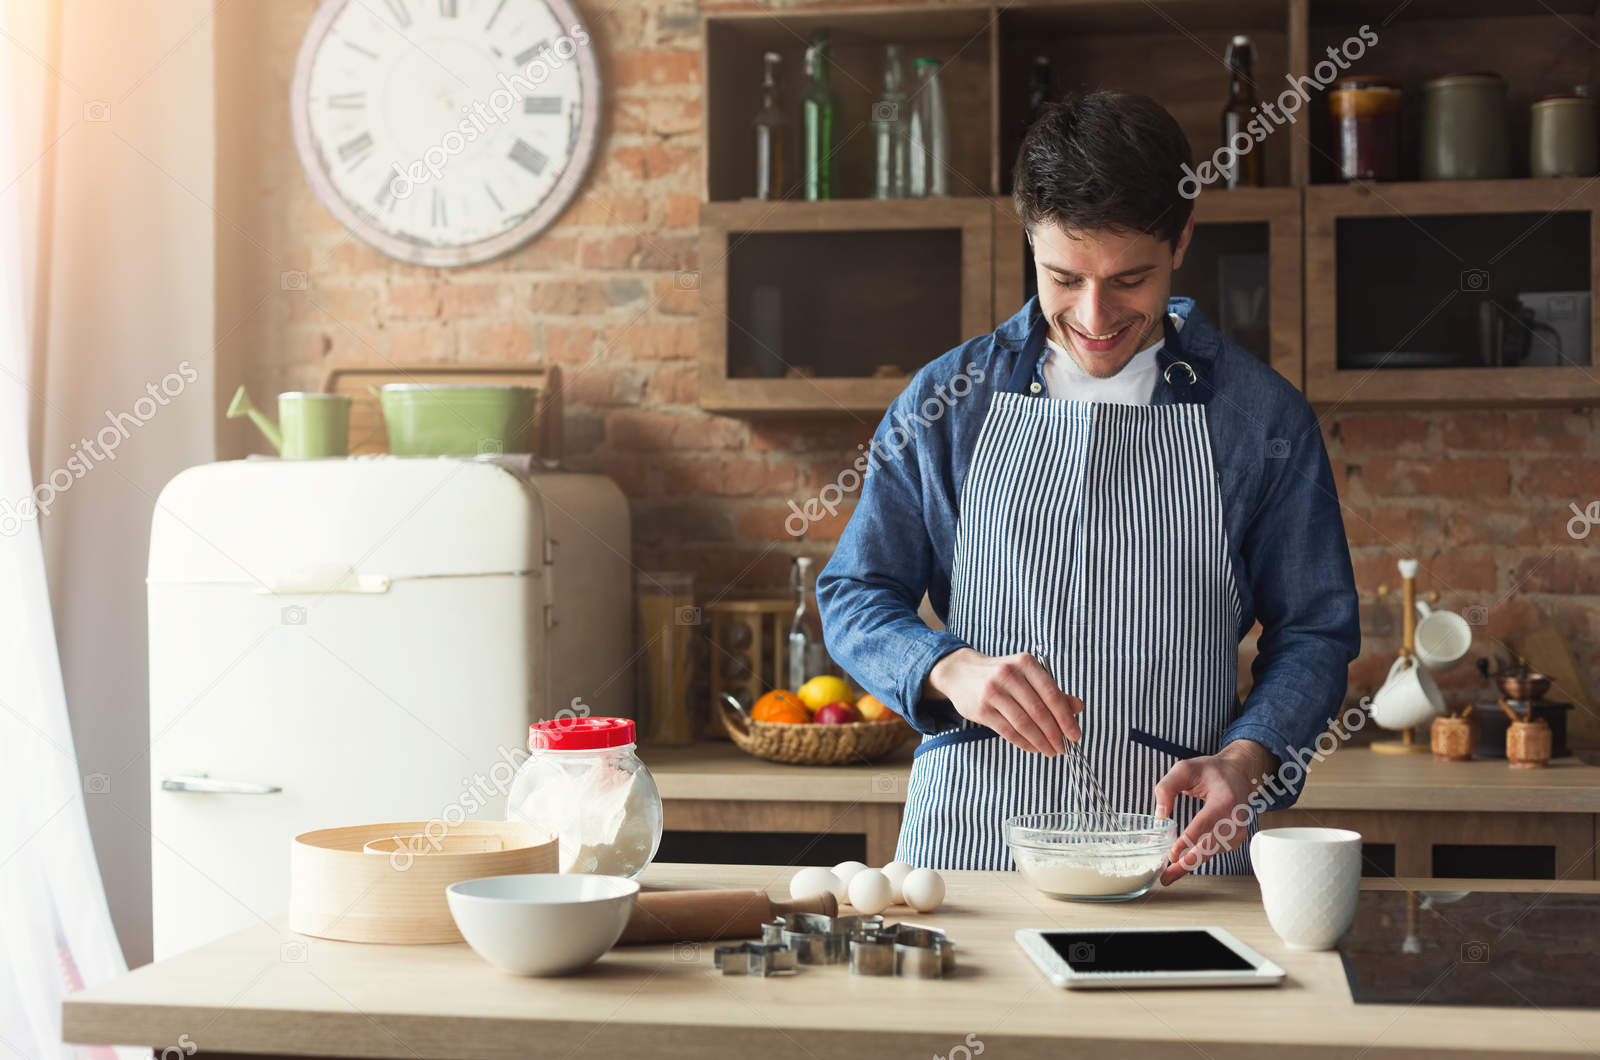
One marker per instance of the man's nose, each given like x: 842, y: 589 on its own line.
x: 1094, y: 310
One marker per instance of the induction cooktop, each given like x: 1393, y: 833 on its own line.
x: 1502, y: 950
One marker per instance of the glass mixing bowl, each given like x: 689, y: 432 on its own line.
x: 1063, y: 856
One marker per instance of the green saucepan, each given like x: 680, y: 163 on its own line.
x: 430, y: 419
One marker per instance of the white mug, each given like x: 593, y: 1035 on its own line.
x: 1443, y: 638
x: 1409, y: 696
x: 1310, y: 879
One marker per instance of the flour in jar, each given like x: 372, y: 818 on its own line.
x: 603, y: 819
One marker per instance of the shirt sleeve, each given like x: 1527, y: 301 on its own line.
x: 870, y: 589
x: 1298, y: 561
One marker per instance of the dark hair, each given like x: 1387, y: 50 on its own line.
x: 1104, y: 159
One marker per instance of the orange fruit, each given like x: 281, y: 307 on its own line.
x: 779, y: 699
x: 874, y: 709
x: 787, y: 715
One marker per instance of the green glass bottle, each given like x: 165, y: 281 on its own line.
x: 817, y: 109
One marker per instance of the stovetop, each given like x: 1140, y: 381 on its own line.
x: 1481, y: 949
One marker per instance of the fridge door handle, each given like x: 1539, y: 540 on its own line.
x: 202, y: 783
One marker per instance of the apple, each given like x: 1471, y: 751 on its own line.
x: 874, y: 709
x: 839, y: 713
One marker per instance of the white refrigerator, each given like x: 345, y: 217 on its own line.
x: 337, y: 642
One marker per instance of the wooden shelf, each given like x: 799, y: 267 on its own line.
x: 936, y: 301
x: 1416, y: 204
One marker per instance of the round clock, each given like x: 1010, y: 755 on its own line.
x: 446, y: 132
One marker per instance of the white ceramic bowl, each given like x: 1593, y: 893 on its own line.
x: 542, y: 924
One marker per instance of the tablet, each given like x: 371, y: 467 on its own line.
x: 1146, y: 956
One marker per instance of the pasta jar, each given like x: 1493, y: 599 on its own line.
x: 1561, y: 136
x: 584, y: 784
x: 1366, y: 118
x: 1464, y: 128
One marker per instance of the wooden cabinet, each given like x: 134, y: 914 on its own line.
x: 1361, y: 294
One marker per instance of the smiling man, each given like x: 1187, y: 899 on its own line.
x: 1117, y: 499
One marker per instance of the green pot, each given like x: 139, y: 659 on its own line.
x: 426, y: 419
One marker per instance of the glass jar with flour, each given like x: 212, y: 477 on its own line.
x: 584, y: 784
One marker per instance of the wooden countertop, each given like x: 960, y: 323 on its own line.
x: 266, y: 990
x: 1354, y: 778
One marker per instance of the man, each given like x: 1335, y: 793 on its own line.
x: 1100, y: 499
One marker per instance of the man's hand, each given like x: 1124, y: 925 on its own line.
x: 1013, y: 695
x: 1223, y: 780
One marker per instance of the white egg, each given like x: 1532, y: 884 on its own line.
x: 896, y: 871
x: 846, y: 871
x: 814, y: 881
x: 923, y: 890
x: 870, y: 891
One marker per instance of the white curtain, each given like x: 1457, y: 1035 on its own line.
x: 55, y: 927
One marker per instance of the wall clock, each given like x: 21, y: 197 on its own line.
x: 446, y: 132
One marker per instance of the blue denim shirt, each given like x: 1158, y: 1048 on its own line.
x: 1281, y: 514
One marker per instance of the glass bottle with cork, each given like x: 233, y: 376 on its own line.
x: 771, y: 132
x: 1245, y: 172
x: 817, y: 110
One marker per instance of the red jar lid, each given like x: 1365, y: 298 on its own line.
x: 580, y: 734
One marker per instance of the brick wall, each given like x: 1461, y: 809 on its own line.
x: 1480, y: 497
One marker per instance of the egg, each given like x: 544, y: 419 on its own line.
x: 923, y: 890
x: 813, y: 881
x: 896, y: 871
x: 870, y: 891
x: 846, y: 871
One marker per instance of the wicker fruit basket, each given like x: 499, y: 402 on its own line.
x: 814, y: 745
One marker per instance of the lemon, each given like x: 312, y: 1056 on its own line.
x: 820, y: 691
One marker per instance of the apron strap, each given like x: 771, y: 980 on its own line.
x: 1188, y: 379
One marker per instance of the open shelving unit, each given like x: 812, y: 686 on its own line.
x: 1288, y: 270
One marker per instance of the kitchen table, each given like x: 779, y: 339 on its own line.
x: 1407, y: 805
x: 266, y: 991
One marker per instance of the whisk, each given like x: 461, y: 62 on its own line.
x: 1090, y: 793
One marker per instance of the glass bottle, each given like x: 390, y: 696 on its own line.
x: 891, y: 126
x: 1041, y: 87
x: 807, y: 657
x: 1236, y: 115
x: 772, y: 130
x: 817, y: 112
x: 930, y: 133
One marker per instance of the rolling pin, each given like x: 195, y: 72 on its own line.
x: 671, y: 916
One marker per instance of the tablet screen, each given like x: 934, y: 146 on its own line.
x: 1145, y: 951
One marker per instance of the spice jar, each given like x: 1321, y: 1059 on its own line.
x: 1452, y: 739
x: 1366, y: 123
x: 1528, y: 744
x: 1561, y: 136
x: 1464, y: 128
x: 584, y: 784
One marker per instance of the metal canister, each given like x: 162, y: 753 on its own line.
x: 1465, y: 133
x: 1366, y: 123
x: 1561, y: 136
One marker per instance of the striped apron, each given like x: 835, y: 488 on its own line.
x: 1095, y: 530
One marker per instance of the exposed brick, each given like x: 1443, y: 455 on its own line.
x: 630, y: 69
x: 421, y: 343
x: 650, y: 161
x: 809, y: 522
x: 654, y: 341
x: 1569, y: 569
x: 1476, y: 477
x: 1459, y: 570
x: 602, y: 383
x: 669, y: 252
x: 677, y: 299
x: 1382, y: 432
x: 609, y: 252
x: 656, y: 116
x: 1566, y: 479
x: 677, y: 384
x: 643, y: 430
x: 412, y: 301
x: 458, y: 300
x: 547, y: 252
x: 570, y: 344
x: 608, y: 210
x: 729, y: 478
x: 1398, y: 528
x: 683, y: 211
x: 1530, y: 431
x: 496, y: 342
x: 324, y: 305
x: 663, y: 523
x: 352, y: 257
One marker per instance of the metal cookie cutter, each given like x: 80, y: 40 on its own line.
x: 754, y: 958
x: 819, y: 939
x: 906, y: 950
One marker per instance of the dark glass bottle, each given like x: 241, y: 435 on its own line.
x: 1236, y: 115
x: 772, y: 130
x: 817, y: 111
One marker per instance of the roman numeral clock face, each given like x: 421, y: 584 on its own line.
x: 446, y: 132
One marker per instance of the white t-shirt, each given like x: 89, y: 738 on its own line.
x: 1134, y: 385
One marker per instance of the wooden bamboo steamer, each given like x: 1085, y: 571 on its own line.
x: 815, y: 745
x: 394, y: 891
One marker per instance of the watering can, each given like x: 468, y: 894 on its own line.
x: 310, y: 425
